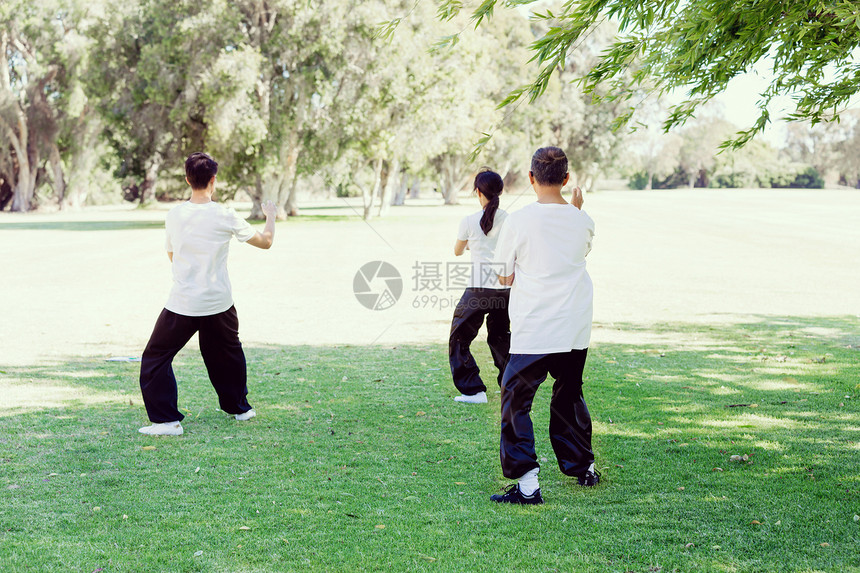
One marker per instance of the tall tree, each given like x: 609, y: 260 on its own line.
x: 169, y: 71
x: 579, y: 123
x: 308, y: 50
x: 41, y: 57
x: 847, y: 149
x: 700, y: 145
x: 699, y: 46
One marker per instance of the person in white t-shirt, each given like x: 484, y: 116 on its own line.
x: 199, y: 232
x: 483, y: 297
x: 542, y: 250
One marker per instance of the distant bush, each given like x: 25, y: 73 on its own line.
x: 807, y: 178
x: 780, y: 177
x: 734, y: 180
x: 779, y: 180
x: 810, y: 178
x: 638, y: 180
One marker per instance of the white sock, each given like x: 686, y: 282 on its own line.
x: 529, y: 482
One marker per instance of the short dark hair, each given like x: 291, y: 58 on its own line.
x: 549, y: 166
x: 200, y: 168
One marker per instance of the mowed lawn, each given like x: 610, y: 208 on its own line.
x: 360, y: 460
x: 726, y: 324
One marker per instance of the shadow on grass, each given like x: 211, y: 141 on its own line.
x: 81, y: 225
x: 782, y: 391
x: 359, y: 457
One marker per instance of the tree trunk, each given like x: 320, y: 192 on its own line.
x: 446, y: 182
x: 391, y: 182
x: 28, y: 169
x: 650, y: 181
x: 452, y: 182
x: 588, y: 182
x: 452, y: 197
x: 59, y: 176
x: 28, y: 163
x: 287, y: 179
x: 77, y: 187
x: 269, y: 189
x: 290, y: 155
x: 147, y: 188
x: 257, y: 198
x: 22, y: 195
x: 292, y: 207
x: 368, y: 195
x: 415, y: 189
x: 400, y: 196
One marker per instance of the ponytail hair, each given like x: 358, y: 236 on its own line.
x: 490, y: 184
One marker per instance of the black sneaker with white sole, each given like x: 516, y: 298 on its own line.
x: 589, y: 479
x: 514, y: 495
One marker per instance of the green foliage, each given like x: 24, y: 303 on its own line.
x: 697, y: 162
x: 47, y: 129
x: 638, y: 180
x: 734, y: 180
x: 363, y: 96
x: 809, y: 178
x: 699, y: 46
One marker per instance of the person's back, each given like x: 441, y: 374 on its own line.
x: 199, y: 235
x: 483, y: 297
x: 552, y: 291
x: 482, y: 247
x: 542, y: 251
x: 201, y: 301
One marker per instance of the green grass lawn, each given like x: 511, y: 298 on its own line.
x: 360, y: 460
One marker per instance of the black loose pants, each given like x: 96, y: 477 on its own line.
x: 468, y: 318
x: 222, y: 354
x: 569, y: 422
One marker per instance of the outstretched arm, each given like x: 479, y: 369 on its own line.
x: 264, y: 239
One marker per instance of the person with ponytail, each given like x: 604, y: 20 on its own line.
x: 484, y: 296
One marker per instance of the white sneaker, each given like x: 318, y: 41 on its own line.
x: 479, y: 398
x: 246, y: 415
x: 163, y: 429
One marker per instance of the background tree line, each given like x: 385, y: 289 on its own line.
x: 101, y: 99
x: 826, y: 154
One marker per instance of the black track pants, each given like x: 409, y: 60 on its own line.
x: 222, y: 354
x: 468, y: 318
x: 569, y: 422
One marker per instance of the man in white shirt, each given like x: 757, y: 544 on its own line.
x: 199, y: 232
x: 542, y: 250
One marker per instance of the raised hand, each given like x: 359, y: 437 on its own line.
x: 269, y: 209
x: 577, y: 199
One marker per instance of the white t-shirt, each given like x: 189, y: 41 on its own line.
x: 198, y: 235
x: 485, y: 274
x: 544, y: 246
